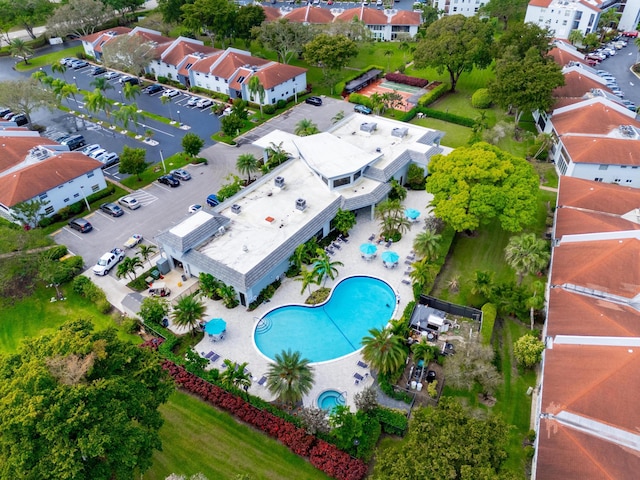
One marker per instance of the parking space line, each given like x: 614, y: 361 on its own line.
x: 108, y: 217
x: 71, y: 232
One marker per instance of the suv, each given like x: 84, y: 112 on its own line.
x: 20, y: 119
x: 74, y: 142
x: 169, y: 180
x: 204, y: 103
x: 91, y: 148
x: 181, y: 174
x: 81, y: 225
x: 317, y: 101
x: 130, y: 80
x: 112, y: 209
x: 97, y: 70
x: 108, y: 261
x: 151, y: 89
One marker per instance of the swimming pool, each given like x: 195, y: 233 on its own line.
x: 330, y: 399
x: 332, y: 329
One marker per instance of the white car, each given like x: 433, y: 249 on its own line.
x: 204, y: 103
x: 98, y: 153
x: 108, y: 261
x: 195, y: 208
x: 130, y: 202
x: 111, y: 75
x: 171, y: 93
x: 133, y: 240
x: 89, y: 149
x: 193, y: 101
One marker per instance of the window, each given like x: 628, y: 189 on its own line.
x: 597, y: 179
x: 567, y: 13
x: 273, y: 89
x: 95, y: 188
x: 217, y: 89
x: 338, y: 182
x: 76, y: 195
x: 628, y: 181
x: 455, y: 9
x: 48, y: 210
x: 66, y: 200
x: 357, y: 175
x: 623, y: 166
x: 43, y: 197
x: 564, y: 22
x: 617, y: 180
x: 634, y: 168
x: 217, y: 79
x: 240, y: 78
x: 189, y: 65
x: 90, y: 174
x: 603, y: 167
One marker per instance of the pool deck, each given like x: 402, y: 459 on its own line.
x: 238, y: 344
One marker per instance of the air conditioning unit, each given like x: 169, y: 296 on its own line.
x: 279, y: 182
x: 399, y: 132
x: 368, y: 127
x: 301, y: 204
x: 235, y: 208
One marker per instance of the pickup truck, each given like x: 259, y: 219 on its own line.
x: 108, y: 261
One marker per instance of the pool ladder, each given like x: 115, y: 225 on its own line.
x: 264, y: 325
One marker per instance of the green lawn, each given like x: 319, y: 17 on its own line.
x: 153, y: 172
x: 36, y: 315
x: 48, y: 59
x: 456, y: 135
x: 198, y: 438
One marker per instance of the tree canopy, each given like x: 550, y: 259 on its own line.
x: 286, y: 38
x: 504, y: 10
x: 446, y: 442
x: 455, y: 43
x: 78, y: 17
x: 24, y: 96
x: 330, y: 52
x: 79, y: 403
x: 128, y: 53
x: 473, y: 185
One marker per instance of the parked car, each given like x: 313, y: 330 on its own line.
x: 74, y: 142
x: 108, y: 261
x: 133, y: 240
x: 130, y: 202
x: 193, y: 101
x: 91, y: 148
x: 98, y: 70
x: 169, y: 180
x: 633, y: 34
x: 195, y: 208
x: 112, y: 209
x: 317, y: 101
x: 128, y: 79
x: 97, y: 153
x: 362, y: 109
x: 20, y: 120
x: 151, y: 89
x: 4, y: 111
x: 171, y: 93
x: 66, y: 61
x: 109, y: 159
x: 78, y: 64
x: 212, y: 200
x: 180, y: 174
x: 204, y: 103
x: 9, y: 115
x: 81, y: 225
x: 111, y: 75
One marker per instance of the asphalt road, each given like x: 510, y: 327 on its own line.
x: 619, y: 66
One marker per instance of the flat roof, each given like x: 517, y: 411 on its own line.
x: 185, y: 227
x: 268, y: 217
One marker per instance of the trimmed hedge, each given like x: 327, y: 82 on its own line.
x: 211, y: 93
x: 489, y: 313
x: 393, y: 422
x: 434, y: 94
x: 447, y: 117
x: 407, y: 80
x: 481, y: 98
x: 361, y: 99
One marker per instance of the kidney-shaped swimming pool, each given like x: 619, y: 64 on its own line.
x: 332, y: 329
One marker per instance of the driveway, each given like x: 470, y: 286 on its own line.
x: 619, y: 66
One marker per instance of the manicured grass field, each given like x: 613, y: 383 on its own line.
x: 198, y: 438
x: 36, y: 315
x: 456, y: 135
x: 48, y: 59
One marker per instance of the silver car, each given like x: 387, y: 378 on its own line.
x: 130, y: 202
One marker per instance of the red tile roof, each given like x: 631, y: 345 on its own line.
x: 240, y: 78
x: 540, y: 3
x: 405, y: 17
x: 180, y: 49
x: 204, y: 65
x: 14, y: 150
x: 38, y: 178
x: 596, y: 119
x: 576, y: 85
x: 232, y: 61
x: 95, y: 36
x: 614, y: 151
x: 562, y: 57
x: 271, y: 13
x: 277, y: 73
x: 609, y: 266
x: 310, y: 14
x: 368, y: 16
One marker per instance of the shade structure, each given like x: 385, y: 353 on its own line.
x: 390, y: 257
x: 412, y: 213
x: 368, y: 248
x: 215, y: 326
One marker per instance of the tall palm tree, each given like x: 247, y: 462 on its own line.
x: 422, y: 273
x: 247, y: 164
x: 39, y: 75
x: 235, y: 375
x: 392, y: 219
x: 58, y: 67
x: 324, y: 268
x: 308, y: 278
x: 127, y: 267
x: 290, y: 377
x: 167, y: 100
x: 384, y: 350
x: 131, y: 91
x: 126, y: 114
x: 70, y: 89
x: 188, y: 312
x: 95, y: 101
x: 306, y: 127
x: 526, y: 254
x: 256, y: 89
x: 147, y: 251
x: 426, y: 244
x: 100, y: 83
x: 228, y: 295
x: 19, y: 48
x: 57, y: 85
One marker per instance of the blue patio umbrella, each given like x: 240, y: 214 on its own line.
x: 412, y: 213
x: 215, y: 326
x: 368, y: 248
x: 390, y: 257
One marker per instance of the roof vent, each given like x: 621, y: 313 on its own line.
x: 301, y: 204
x: 627, y: 130
x: 368, y: 127
x: 235, y: 208
x: 399, y: 132
x: 221, y: 230
x: 279, y: 182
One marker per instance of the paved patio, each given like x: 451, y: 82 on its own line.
x: 336, y: 374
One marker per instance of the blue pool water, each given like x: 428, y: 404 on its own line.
x: 330, y: 399
x: 332, y: 329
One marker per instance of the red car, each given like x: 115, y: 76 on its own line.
x: 630, y: 34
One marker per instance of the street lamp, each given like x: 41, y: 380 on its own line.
x: 179, y: 121
x: 121, y: 96
x: 162, y: 160
x: 76, y: 82
x: 84, y: 196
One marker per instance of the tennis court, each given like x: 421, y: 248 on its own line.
x: 382, y: 86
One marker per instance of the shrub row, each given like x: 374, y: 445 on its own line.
x: 86, y: 288
x: 361, y: 99
x: 489, y: 313
x: 322, y: 455
x: 393, y: 422
x: 433, y: 95
x: 407, y: 80
x: 211, y: 93
x: 447, y: 117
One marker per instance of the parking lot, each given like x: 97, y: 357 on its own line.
x: 619, y: 66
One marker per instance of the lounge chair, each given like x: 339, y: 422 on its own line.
x: 336, y: 245
x: 361, y: 364
x: 214, y: 358
x: 406, y: 282
x: 262, y: 381
x: 373, y: 235
x: 209, y: 355
x: 358, y: 377
x: 388, y: 244
x: 344, y: 239
x: 407, y: 262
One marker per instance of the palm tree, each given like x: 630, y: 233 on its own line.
x: 128, y: 266
x: 526, y: 254
x: 127, y: 113
x: 100, y: 83
x: 247, y: 164
x: 393, y: 221
x: 188, y: 312
x: 306, y: 127
x: 147, y: 251
x: 308, y: 278
x: 40, y: 75
x: 95, y: 101
x: 536, y: 300
x: 426, y: 244
x: 164, y: 100
x: 235, y: 375
x: 57, y: 85
x: 131, y: 91
x: 276, y: 156
x: 58, y: 67
x: 324, y: 268
x: 423, y: 351
x: 228, y: 295
x: 19, y: 48
x: 338, y: 116
x: 422, y: 273
x: 384, y: 350
x: 290, y: 378
x: 575, y: 36
x: 377, y: 103
x: 388, y: 54
x: 69, y: 89
x: 256, y: 88
x: 546, y: 141
x: 482, y: 283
